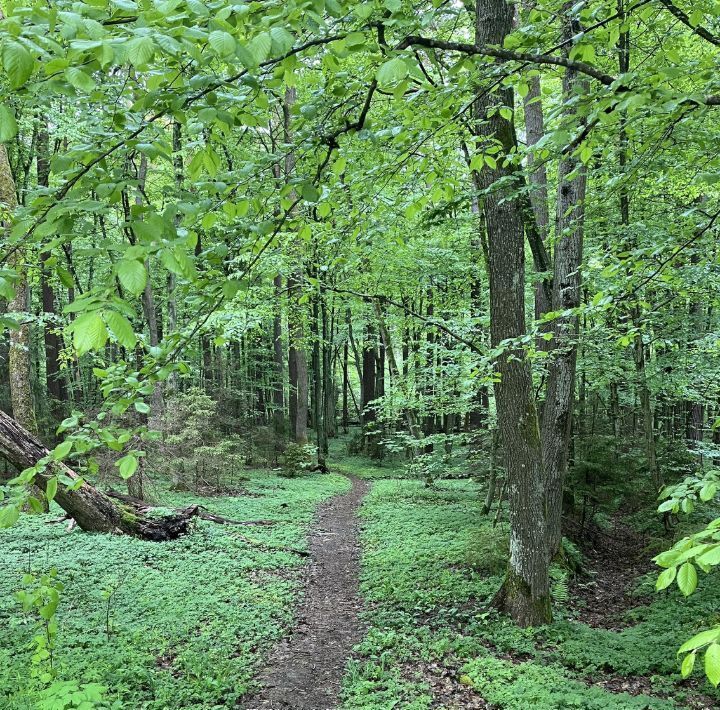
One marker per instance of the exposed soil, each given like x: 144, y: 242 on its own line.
x: 447, y: 691
x: 616, y: 559
x: 305, y: 670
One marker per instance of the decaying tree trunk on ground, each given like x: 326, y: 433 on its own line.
x: 89, y: 507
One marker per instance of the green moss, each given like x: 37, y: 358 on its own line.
x: 519, y: 602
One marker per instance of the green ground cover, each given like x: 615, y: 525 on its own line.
x: 187, y: 621
x: 431, y: 564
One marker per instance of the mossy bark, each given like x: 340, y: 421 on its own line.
x: 517, y: 599
x: 91, y: 509
x: 526, y: 592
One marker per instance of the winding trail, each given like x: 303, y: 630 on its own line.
x: 305, y: 671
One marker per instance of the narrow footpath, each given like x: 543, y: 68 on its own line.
x: 306, y: 670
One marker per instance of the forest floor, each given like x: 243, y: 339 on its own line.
x: 390, y: 610
x: 306, y: 669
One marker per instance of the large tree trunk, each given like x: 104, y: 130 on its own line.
x: 19, y: 357
x: 91, y: 509
x: 525, y: 594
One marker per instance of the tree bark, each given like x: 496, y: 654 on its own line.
x: 567, y: 264
x: 297, y: 355
x: 278, y: 366
x: 55, y: 380
x: 91, y: 509
x: 525, y: 593
x: 148, y: 299
x: 19, y: 355
x: 534, y: 132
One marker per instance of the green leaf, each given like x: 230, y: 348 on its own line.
x: 687, y: 579
x: 282, y: 40
x: 127, y: 465
x: 79, y: 79
x: 666, y: 578
x: 712, y: 663
x: 687, y: 665
x: 132, y: 275
x: 260, y: 47
x: 8, y: 124
x: 18, y: 63
x: 707, y: 492
x: 89, y: 333
x: 310, y: 192
x: 710, y: 557
x: 121, y: 328
x: 142, y: 407
x: 392, y: 71
x: 222, y: 42
x: 9, y: 516
x: 700, y: 640
x: 51, y: 489
x: 62, y: 449
x: 355, y: 40
x: 140, y: 51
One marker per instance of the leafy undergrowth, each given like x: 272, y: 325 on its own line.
x: 161, y: 625
x: 431, y: 565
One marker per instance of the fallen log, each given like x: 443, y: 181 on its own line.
x: 92, y: 510
x: 192, y: 511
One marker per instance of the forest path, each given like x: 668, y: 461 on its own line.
x: 305, y: 671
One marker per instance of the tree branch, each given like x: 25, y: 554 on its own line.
x: 700, y: 31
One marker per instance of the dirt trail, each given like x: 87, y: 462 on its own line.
x: 305, y: 671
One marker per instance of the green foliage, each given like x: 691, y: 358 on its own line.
x: 69, y: 695
x: 517, y: 686
x: 432, y: 563
x: 173, y: 643
x: 297, y: 459
x: 40, y: 597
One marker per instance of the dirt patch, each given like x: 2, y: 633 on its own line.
x: 615, y: 558
x: 305, y: 671
x: 446, y: 689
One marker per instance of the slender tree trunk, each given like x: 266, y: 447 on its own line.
x: 297, y: 356
x: 566, y: 294
x: 369, y: 393
x: 54, y: 378
x: 19, y: 355
x: 525, y: 594
x: 278, y: 365
x: 171, y: 278
x: 345, y: 387
x: 534, y: 132
x: 413, y: 426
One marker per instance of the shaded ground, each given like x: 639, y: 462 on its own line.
x: 305, y: 671
x: 187, y: 621
x: 616, y: 559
